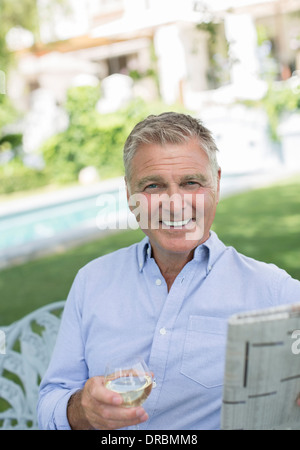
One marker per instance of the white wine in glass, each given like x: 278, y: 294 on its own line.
x: 131, y: 379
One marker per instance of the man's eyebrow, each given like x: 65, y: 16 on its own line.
x: 158, y: 179
x: 149, y: 179
x: 194, y: 177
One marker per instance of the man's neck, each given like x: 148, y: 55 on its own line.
x: 171, y: 264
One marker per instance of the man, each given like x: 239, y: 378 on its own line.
x: 166, y: 298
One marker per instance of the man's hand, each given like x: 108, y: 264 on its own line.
x: 95, y: 407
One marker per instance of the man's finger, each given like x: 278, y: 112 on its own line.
x: 98, y: 391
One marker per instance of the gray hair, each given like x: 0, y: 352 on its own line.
x: 169, y: 128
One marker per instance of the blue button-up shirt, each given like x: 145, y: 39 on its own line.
x: 120, y: 304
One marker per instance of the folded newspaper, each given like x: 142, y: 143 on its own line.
x: 262, y: 371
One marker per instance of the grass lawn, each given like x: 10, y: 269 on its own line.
x: 28, y: 286
x: 263, y: 223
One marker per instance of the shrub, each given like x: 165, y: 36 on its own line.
x: 95, y: 140
x: 11, y: 142
x: 92, y: 139
x: 280, y: 99
x: 15, y: 177
x: 7, y: 112
x: 81, y: 100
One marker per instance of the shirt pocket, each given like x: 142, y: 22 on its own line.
x: 204, y: 350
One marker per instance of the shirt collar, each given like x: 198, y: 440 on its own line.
x: 143, y: 252
x: 213, y: 247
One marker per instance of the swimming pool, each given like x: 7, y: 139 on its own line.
x: 42, y: 226
x: 43, y: 223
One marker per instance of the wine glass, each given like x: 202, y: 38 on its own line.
x: 131, y: 378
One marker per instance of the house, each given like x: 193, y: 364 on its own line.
x: 181, y: 50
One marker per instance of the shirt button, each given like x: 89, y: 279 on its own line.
x: 209, y: 268
x: 154, y: 384
x: 158, y: 282
x: 163, y: 331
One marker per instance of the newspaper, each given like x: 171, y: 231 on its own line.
x: 262, y: 370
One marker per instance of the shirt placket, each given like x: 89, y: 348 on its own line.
x: 164, y: 329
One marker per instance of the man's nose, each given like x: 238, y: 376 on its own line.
x: 174, y: 202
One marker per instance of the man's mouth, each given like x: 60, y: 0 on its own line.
x: 176, y: 224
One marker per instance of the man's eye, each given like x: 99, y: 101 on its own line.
x: 192, y: 183
x: 152, y: 186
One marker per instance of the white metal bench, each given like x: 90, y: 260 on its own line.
x: 25, y: 350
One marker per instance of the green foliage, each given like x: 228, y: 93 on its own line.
x: 11, y: 142
x: 14, y: 140
x: 218, y: 52
x: 8, y: 114
x: 92, y: 139
x: 5, y: 55
x: 263, y: 34
x: 23, y: 14
x: 210, y: 28
x: 14, y: 176
x: 280, y: 99
x: 80, y: 101
x: 15, y: 14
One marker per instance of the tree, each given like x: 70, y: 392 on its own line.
x: 20, y: 13
x: 16, y: 13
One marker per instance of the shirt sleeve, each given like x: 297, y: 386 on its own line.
x: 289, y: 289
x: 67, y: 371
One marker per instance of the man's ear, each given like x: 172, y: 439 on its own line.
x: 127, y: 192
x: 218, y: 184
x: 127, y: 187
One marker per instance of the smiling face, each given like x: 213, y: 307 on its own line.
x: 176, y: 193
